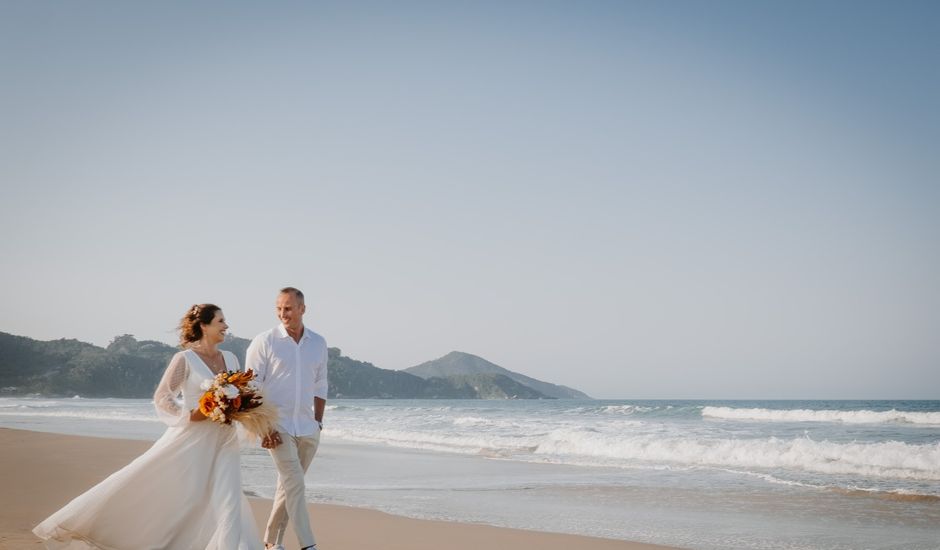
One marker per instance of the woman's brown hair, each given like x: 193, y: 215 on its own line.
x: 190, y: 326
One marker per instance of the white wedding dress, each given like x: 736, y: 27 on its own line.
x: 184, y: 493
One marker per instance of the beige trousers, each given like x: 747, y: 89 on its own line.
x: 292, y: 458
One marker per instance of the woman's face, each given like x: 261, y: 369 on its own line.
x: 214, y: 332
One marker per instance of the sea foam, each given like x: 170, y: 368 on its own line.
x: 583, y: 446
x: 122, y: 416
x: 809, y: 415
x: 890, y: 459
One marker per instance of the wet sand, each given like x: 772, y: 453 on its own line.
x: 41, y: 472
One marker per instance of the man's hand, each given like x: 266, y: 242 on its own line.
x: 271, y: 440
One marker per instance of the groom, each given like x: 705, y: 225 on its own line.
x: 290, y: 364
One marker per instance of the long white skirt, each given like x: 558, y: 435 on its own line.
x: 184, y: 493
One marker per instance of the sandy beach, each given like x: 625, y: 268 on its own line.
x: 40, y: 472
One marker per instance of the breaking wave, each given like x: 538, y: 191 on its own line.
x: 809, y: 415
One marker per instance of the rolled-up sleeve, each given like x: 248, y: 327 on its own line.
x: 321, y: 384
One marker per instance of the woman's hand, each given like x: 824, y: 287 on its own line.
x: 196, y: 416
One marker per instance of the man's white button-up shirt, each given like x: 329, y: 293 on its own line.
x: 291, y: 374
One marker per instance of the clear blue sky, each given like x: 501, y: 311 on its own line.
x: 636, y: 199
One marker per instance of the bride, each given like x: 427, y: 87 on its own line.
x: 184, y: 493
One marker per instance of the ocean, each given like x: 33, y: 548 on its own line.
x: 694, y: 474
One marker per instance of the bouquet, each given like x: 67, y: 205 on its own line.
x: 234, y: 395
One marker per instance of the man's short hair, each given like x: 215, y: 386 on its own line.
x: 296, y: 292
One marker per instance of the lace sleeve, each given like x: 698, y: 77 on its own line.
x: 167, y: 399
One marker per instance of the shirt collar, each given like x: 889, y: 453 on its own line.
x: 282, y: 332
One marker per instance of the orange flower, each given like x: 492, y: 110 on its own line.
x: 207, y: 403
x: 240, y: 378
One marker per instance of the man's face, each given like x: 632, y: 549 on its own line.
x: 290, y: 310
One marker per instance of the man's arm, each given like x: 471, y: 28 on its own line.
x: 255, y: 360
x: 321, y: 386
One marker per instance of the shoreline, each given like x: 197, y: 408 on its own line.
x: 40, y: 472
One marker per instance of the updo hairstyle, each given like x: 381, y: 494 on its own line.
x: 191, y: 324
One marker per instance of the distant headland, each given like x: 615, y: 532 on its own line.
x: 131, y: 368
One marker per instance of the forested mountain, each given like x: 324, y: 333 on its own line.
x: 131, y: 368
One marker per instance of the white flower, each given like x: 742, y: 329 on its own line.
x: 230, y: 391
x: 206, y: 385
x: 253, y: 386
